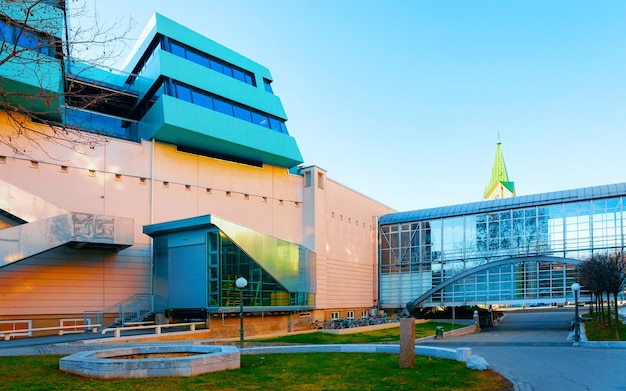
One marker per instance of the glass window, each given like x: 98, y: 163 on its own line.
x: 250, y: 79
x: 237, y: 74
x: 242, y: 113
x: 202, y: 99
x: 227, y: 70
x: 177, y: 49
x: 27, y: 40
x: 6, y: 33
x: 198, y: 58
x: 275, y: 124
x: 223, y: 107
x: 268, y: 86
x: 183, y: 92
x: 283, y: 127
x: 260, y: 119
x: 216, y: 66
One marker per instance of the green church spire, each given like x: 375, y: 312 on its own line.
x: 499, y: 186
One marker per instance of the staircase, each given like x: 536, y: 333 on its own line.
x: 136, y: 308
x: 76, y: 230
x: 41, y: 226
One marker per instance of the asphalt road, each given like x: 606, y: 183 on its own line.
x: 533, y: 351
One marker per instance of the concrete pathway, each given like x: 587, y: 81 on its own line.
x: 533, y: 351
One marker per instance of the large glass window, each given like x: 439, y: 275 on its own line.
x: 262, y: 290
x: 223, y: 107
x: 210, y: 62
x: 27, y: 38
x: 219, y: 104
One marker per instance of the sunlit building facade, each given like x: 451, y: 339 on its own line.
x: 193, y: 181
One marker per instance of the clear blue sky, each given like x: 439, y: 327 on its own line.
x: 403, y: 101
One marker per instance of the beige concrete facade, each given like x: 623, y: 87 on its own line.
x: 152, y: 183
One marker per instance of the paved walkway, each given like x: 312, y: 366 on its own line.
x: 534, y: 352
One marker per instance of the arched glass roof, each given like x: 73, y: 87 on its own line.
x: 583, y: 194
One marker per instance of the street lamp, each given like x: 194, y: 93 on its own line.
x: 576, y: 290
x: 241, y: 284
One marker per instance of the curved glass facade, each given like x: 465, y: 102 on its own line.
x: 420, y: 255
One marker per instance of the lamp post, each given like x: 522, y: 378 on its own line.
x: 576, y: 290
x: 241, y: 284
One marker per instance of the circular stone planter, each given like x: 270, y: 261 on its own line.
x: 151, y: 361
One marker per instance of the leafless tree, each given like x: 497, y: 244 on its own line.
x: 49, y: 55
x: 605, y: 272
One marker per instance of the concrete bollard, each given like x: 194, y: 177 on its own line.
x: 463, y: 354
x: 407, y: 343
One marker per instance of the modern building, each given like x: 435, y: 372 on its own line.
x: 152, y: 189
x: 189, y: 180
x: 521, y: 250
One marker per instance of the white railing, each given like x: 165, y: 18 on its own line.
x: 26, y: 324
x: 157, y: 328
x: 8, y: 334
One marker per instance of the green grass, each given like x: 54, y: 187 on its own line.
x: 385, y: 335
x: 595, y: 331
x: 315, y: 371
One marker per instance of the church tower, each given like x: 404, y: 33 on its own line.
x: 499, y: 186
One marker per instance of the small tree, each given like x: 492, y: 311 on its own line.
x: 39, y: 48
x: 605, y: 272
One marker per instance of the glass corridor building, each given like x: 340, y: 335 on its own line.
x: 521, y: 250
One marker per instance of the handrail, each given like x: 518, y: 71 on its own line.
x: 122, y: 303
x: 157, y: 328
x: 134, y: 308
x: 8, y: 333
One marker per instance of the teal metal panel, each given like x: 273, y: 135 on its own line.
x: 182, y: 123
x: 187, y: 276
x: 187, y: 36
x: 159, y: 24
x: 161, y: 274
x: 28, y: 82
x: 209, y: 80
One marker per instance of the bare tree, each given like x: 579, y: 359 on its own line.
x: 605, y: 272
x: 40, y: 71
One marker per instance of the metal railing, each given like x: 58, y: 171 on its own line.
x: 134, y: 309
x: 156, y: 327
x: 61, y: 330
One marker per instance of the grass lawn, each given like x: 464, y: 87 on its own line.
x: 385, y: 335
x: 596, y: 331
x: 315, y: 371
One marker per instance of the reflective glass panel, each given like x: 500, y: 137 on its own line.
x: 222, y: 106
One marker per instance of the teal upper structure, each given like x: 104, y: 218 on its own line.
x: 208, y: 99
x: 179, y: 87
x: 31, y: 76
